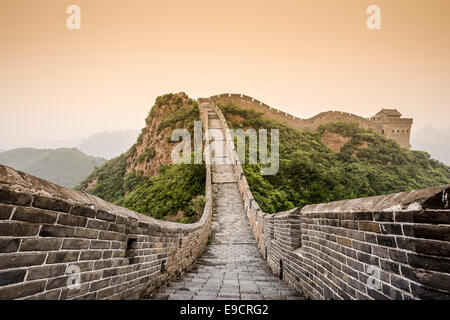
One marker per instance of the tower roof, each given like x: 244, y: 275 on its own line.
x: 390, y: 112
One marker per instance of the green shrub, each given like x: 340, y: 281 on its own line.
x: 310, y: 172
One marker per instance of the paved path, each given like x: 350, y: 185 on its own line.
x: 231, y: 266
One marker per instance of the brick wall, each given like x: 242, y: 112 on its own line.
x: 386, y: 247
x: 47, y: 230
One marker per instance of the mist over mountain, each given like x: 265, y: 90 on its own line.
x: 108, y: 144
x: 63, y: 166
x: 434, y: 141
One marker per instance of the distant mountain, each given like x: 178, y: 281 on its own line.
x: 434, y: 141
x: 66, y: 167
x: 108, y: 144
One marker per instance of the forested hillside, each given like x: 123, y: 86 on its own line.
x: 144, y: 179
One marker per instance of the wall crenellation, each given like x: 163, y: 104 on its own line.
x: 387, y: 122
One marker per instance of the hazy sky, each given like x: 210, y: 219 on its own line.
x: 302, y: 56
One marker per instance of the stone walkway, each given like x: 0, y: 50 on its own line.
x: 231, y: 266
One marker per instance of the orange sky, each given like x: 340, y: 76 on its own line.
x: 302, y: 56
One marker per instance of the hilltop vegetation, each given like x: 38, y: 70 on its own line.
x: 66, y: 167
x: 144, y: 179
x: 367, y: 164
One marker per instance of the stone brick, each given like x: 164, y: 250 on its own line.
x: 397, y: 255
x: 17, y: 260
x: 98, y: 224
x: 75, y: 244
x: 102, y: 294
x: 72, y: 220
x: 9, y: 245
x: 436, y: 280
x: 108, y: 254
x: 83, y: 211
x: 376, y: 295
x: 368, y: 258
x: 432, y: 247
x: 355, y: 265
x: 391, y: 292
x: 12, y: 276
x: 51, y: 204
x: 62, y: 256
x: 390, y: 228
x: 361, y: 246
x: 107, y: 235
x: 425, y: 293
x: 383, y: 216
x: 110, y: 272
x: 427, y: 216
x: 370, y: 238
x: 98, y: 244
x: 5, y: 212
x: 56, y: 231
x: 17, y: 229
x: 387, y: 241
x: 400, y: 283
x: 69, y: 293
x: 40, y: 244
x: 116, y: 227
x: 389, y: 266
x: 90, y: 255
x: 97, y: 285
x: 107, y: 216
x: 10, y: 197
x: 88, y: 296
x: 102, y: 264
x: 380, y: 251
x: 91, y: 276
x: 34, y: 215
x: 428, y: 232
x: 46, y: 271
x: 21, y: 290
x: 428, y: 263
x: 369, y: 226
x: 48, y: 295
x: 86, y: 233
x: 344, y: 241
x: 58, y: 282
x: 363, y: 216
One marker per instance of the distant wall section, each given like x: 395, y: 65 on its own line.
x: 397, y: 128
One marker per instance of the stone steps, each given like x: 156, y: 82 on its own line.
x: 231, y: 267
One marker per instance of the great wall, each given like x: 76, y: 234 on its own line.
x: 387, y: 122
x: 323, y: 251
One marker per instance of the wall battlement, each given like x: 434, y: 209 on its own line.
x: 389, y: 123
x: 46, y: 229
